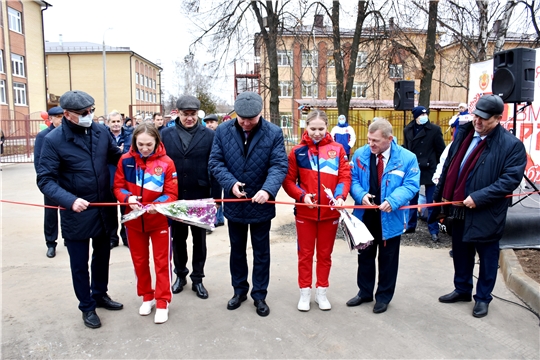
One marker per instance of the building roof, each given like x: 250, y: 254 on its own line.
x: 371, y: 104
x: 88, y: 47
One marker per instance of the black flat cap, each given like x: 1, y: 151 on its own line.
x: 248, y: 104
x: 211, y: 117
x: 489, y: 105
x: 76, y: 100
x: 188, y: 102
x: 55, y: 111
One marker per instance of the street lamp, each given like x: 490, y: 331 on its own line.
x: 105, y: 74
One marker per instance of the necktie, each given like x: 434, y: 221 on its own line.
x: 473, y: 144
x: 380, y: 168
x: 246, y: 135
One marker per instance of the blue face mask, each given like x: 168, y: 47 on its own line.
x: 341, y: 121
x: 422, y: 119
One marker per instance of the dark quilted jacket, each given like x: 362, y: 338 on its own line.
x: 264, y: 166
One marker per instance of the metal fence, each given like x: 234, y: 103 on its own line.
x: 19, y: 139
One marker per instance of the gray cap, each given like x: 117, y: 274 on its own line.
x: 489, y: 105
x: 248, y: 104
x: 188, y: 102
x: 55, y: 111
x: 211, y: 117
x: 76, y: 100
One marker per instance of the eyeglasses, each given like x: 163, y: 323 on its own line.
x: 84, y: 113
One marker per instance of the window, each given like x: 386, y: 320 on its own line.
x: 1, y: 61
x: 136, y: 78
x: 286, y: 121
x: 19, y: 93
x: 3, y: 99
x: 14, y: 20
x: 17, y: 63
x: 138, y: 95
x: 309, y: 89
x: 309, y: 58
x: 155, y: 98
x: 396, y: 71
x: 146, y: 96
x: 285, y: 89
x: 330, y: 62
x: 146, y: 81
x: 331, y: 90
x: 284, y: 57
x: 359, y: 90
x: 361, y: 60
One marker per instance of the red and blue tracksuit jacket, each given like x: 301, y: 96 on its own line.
x: 153, y: 178
x: 310, y: 167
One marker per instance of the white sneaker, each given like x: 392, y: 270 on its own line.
x: 321, y: 299
x: 162, y: 315
x: 146, y: 307
x: 305, y: 298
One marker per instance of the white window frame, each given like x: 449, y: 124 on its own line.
x: 3, y: 97
x: 331, y: 89
x: 15, y: 20
x: 309, y: 56
x: 330, y: 61
x: 284, y: 57
x: 2, y: 71
x: 308, y: 89
x: 138, y: 94
x: 136, y: 78
x: 359, y: 88
x: 361, y: 60
x: 395, y: 71
x: 285, y: 121
x: 17, y: 65
x: 19, y: 94
x: 285, y: 89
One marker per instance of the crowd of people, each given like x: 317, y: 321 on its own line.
x: 80, y: 161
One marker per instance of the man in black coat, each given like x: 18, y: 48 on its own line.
x: 188, y: 144
x: 425, y: 140
x: 485, y: 163
x: 50, y: 221
x: 73, y: 172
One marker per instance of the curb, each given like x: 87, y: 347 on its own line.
x: 516, y: 280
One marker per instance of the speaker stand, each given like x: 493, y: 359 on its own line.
x: 514, y: 130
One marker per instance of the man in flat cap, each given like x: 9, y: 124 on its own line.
x: 73, y: 172
x: 425, y: 140
x: 249, y: 160
x: 485, y: 163
x: 188, y: 144
x: 50, y: 221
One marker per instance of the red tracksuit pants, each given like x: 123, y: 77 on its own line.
x: 311, y: 235
x: 139, y: 246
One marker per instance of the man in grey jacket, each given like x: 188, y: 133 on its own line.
x: 249, y: 161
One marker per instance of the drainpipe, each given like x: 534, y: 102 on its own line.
x: 44, y: 56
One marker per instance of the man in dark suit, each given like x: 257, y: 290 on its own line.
x: 73, y: 172
x: 188, y: 144
x: 425, y: 140
x: 50, y: 221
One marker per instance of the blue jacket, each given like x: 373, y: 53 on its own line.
x: 400, y: 182
x: 123, y: 139
x: 264, y: 166
x: 497, y: 173
x: 68, y: 170
x: 39, y: 144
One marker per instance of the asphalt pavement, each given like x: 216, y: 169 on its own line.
x: 40, y: 318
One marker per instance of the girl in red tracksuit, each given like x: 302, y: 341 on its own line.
x: 147, y: 175
x: 316, y: 161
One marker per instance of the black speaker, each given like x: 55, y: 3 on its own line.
x: 404, y: 95
x: 513, y: 75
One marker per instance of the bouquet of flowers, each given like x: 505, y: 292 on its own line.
x: 201, y: 213
x: 354, y: 230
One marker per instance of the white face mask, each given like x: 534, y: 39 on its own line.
x: 86, y: 121
x: 173, y: 118
x: 422, y: 119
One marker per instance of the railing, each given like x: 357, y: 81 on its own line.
x: 19, y: 139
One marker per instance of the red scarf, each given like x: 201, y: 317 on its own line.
x: 454, y: 187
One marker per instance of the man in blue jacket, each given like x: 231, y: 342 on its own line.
x: 387, y: 175
x: 73, y: 172
x: 249, y: 160
x: 485, y: 164
x: 50, y: 221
